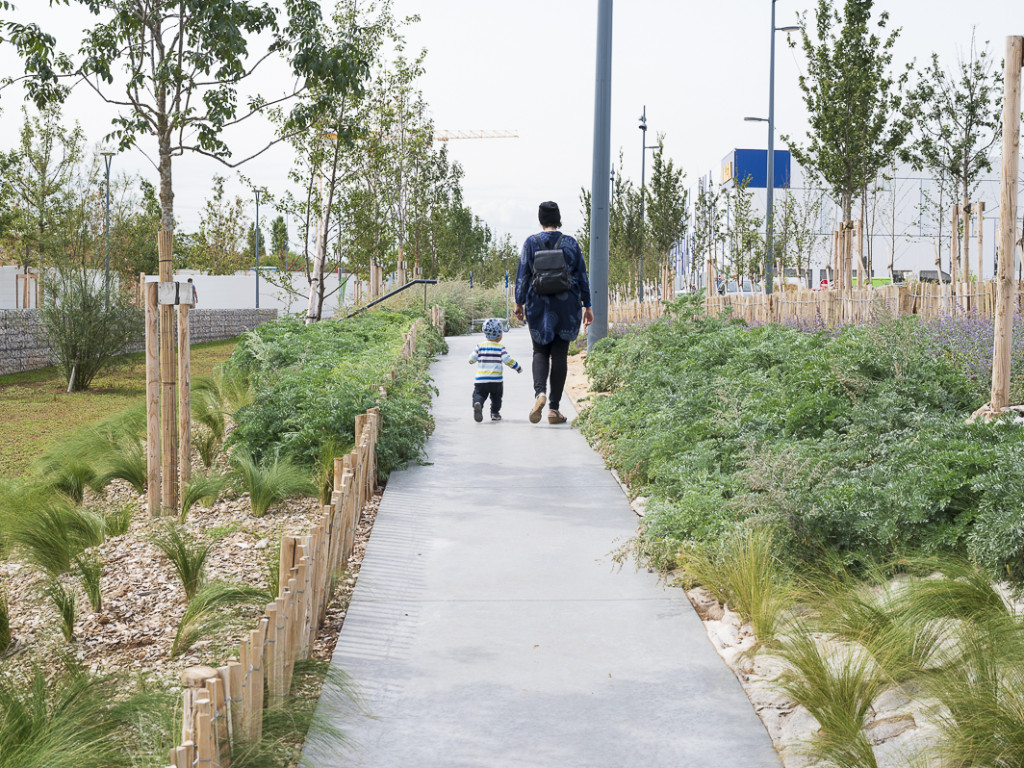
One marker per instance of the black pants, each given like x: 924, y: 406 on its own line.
x: 493, y: 389
x: 550, y: 358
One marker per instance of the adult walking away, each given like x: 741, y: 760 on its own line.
x: 552, y: 296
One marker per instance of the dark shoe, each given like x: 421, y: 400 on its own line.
x: 495, y: 417
x: 556, y: 417
x: 478, y: 411
x: 538, y: 407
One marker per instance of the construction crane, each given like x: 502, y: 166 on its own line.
x: 449, y: 135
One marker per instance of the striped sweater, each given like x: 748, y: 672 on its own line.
x: 489, y: 357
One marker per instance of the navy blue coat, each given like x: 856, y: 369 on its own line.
x: 558, y: 315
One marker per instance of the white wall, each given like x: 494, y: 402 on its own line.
x: 238, y: 291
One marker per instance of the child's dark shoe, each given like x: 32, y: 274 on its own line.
x: 478, y: 411
x: 495, y: 417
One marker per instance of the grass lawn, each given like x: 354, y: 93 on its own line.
x: 35, y: 409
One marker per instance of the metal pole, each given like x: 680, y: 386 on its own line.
x: 600, y: 178
x: 769, y: 212
x: 257, y: 249
x: 643, y: 168
x: 107, y: 157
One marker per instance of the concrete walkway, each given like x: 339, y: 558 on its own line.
x: 490, y: 627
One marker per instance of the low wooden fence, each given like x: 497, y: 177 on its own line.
x: 835, y: 308
x: 223, y: 706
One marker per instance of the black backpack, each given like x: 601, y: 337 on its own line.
x: 550, y: 272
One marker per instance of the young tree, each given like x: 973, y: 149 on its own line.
x: 41, y: 173
x: 744, y: 240
x: 958, y: 115
x: 175, y: 70
x: 666, y: 207
x: 852, y: 99
x: 217, y: 244
x: 279, y: 240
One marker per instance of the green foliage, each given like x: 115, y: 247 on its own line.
x: 63, y: 719
x: 204, y: 488
x: 49, y: 531
x: 5, y: 622
x: 461, y: 303
x: 65, y: 602
x: 187, y: 554
x: 90, y: 567
x: 957, y: 118
x: 311, y: 381
x: 117, y: 521
x: 853, y: 442
x: 96, y: 455
x: 271, y: 481
x: 86, y: 325
x: 205, y: 613
x: 745, y: 572
x: 838, y: 689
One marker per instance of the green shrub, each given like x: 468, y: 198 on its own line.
x: 5, y: 622
x: 187, y: 555
x: 90, y: 568
x: 852, y: 442
x: 117, y: 521
x: 86, y: 326
x: 270, y: 482
x: 204, y: 488
x: 744, y: 571
x: 206, y: 612
x: 309, y: 382
x: 57, y: 721
x: 65, y: 602
x: 50, y: 532
x: 461, y: 303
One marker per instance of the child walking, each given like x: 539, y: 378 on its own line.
x: 489, y: 356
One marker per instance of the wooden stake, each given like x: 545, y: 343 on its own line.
x: 980, y: 212
x: 1008, y: 173
x: 168, y: 405
x: 184, y: 395
x: 152, y: 400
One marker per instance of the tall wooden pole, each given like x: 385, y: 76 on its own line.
x: 954, y: 245
x: 168, y: 395
x: 152, y: 397
x: 979, y: 208
x: 862, y: 276
x: 184, y: 396
x: 967, y: 209
x: 1007, y: 225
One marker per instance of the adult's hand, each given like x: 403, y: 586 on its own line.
x: 520, y: 313
x: 588, y: 317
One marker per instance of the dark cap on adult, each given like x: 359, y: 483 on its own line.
x: 549, y: 215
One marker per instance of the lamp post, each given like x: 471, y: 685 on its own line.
x: 107, y: 157
x: 257, y: 249
x: 770, y: 182
x: 600, y: 178
x: 643, y: 167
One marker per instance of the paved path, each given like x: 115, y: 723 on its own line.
x: 490, y: 627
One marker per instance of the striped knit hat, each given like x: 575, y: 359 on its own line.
x: 493, y: 329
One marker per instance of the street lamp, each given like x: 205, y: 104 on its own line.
x: 643, y: 163
x: 769, y: 213
x: 107, y: 157
x: 257, y: 249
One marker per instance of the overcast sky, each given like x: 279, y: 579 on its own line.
x: 528, y: 66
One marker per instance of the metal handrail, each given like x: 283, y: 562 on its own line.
x: 425, y: 282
